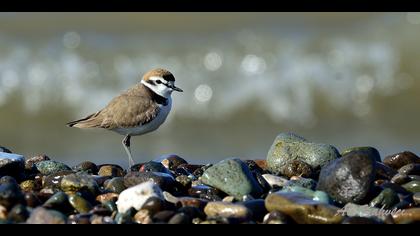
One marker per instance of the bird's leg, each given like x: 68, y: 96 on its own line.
x: 126, y: 143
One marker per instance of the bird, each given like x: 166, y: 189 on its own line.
x: 139, y: 110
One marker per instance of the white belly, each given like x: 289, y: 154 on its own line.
x: 151, y: 126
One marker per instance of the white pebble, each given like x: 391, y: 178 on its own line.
x: 137, y: 195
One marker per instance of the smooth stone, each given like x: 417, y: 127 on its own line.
x: 360, y: 220
x: 41, y: 215
x: 319, y: 196
x: 11, y: 164
x: 180, y: 218
x: 30, y: 185
x: 137, y: 195
x: 416, y: 198
x: 10, y: 194
x: 400, y: 179
x: 257, y: 208
x: 80, y: 204
x: 163, y: 180
x: 302, y: 209
x: 192, y: 212
x: 115, y: 185
x: 349, y: 178
x: 143, y: 217
x: 163, y: 216
x: 53, y: 181
x: 397, y: 188
x: 183, y: 180
x: 8, y: 180
x: 111, y: 170
x: 18, y: 214
x: 302, y: 182
x: 3, y: 213
x: 276, y: 217
x: 153, y: 205
x: 401, y: 159
x: 274, y: 180
x: 95, y: 219
x: 355, y: 210
x: 107, y: 197
x: 297, y: 168
x: 414, y: 177
x: 4, y: 149
x: 153, y: 166
x: 86, y: 166
x: 50, y: 167
x: 227, y: 210
x: 407, y: 216
x: 30, y: 163
x: 110, y: 206
x: 185, y: 201
x: 80, y: 219
x: 386, y: 199
x: 32, y: 200
x: 412, y: 186
x: 371, y: 151
x: 410, y: 169
x: 200, y: 171
x: 172, y: 161
x: 287, y: 148
x: 79, y: 182
x: 125, y: 217
x: 233, y: 177
x: 57, y: 201
x: 384, y: 172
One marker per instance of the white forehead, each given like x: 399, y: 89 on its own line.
x: 156, y: 78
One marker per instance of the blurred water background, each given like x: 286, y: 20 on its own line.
x: 347, y: 79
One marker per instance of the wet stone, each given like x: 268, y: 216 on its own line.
x: 360, y: 220
x: 110, y: 206
x: 50, y: 167
x: 111, y: 170
x: 227, y: 210
x: 115, y: 185
x: 369, y: 151
x: 355, y: 210
x: 125, y: 217
x: 31, y: 200
x: 288, y: 147
x: 276, y: 217
x: 302, y: 209
x: 57, y: 201
x: 79, y: 182
x: 80, y: 219
x: 274, y: 180
x: 180, y: 218
x: 143, y: 217
x: 53, y: 181
x: 153, y: 166
x: 397, y: 188
x: 384, y: 172
x: 87, y: 167
x: 172, y: 162
x: 412, y: 186
x: 410, y: 169
x: 297, y: 168
x: 206, y: 192
x: 163, y: 216
x: 10, y: 194
x: 41, y: 215
x: 416, y: 199
x: 386, y: 199
x: 18, y: 214
x: 153, y: 205
x: 30, y: 185
x: 30, y: 163
x: 400, y: 179
x: 233, y: 177
x: 107, y: 197
x: 319, y: 196
x: 80, y: 204
x: 4, y: 149
x: 348, y: 179
x: 11, y: 164
x: 164, y: 181
x: 95, y: 219
x: 401, y: 159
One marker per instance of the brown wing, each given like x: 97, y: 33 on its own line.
x: 127, y: 111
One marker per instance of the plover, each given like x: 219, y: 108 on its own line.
x: 139, y: 110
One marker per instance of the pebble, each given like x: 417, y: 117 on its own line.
x: 276, y: 217
x: 386, y: 199
x: 57, y: 201
x: 412, y: 186
x: 227, y: 210
x: 111, y: 170
x: 50, y: 167
x: 115, y: 185
x: 302, y: 182
x: 18, y: 214
x: 107, y: 197
x: 172, y: 161
x: 153, y: 166
x: 163, y: 216
x: 288, y: 147
x: 400, y: 179
x: 410, y: 169
x: 30, y: 163
x: 319, y: 196
x: 163, y: 180
x: 349, y: 178
x: 153, y: 205
x: 41, y: 215
x: 301, y: 209
x: 30, y: 185
x: 355, y: 210
x: 369, y: 151
x: 274, y: 180
x: 297, y: 168
x: 10, y: 194
x: 407, y: 216
x: 401, y: 159
x: 137, y: 195
x: 80, y: 204
x: 86, y: 166
x: 79, y: 182
x: 233, y: 177
x: 11, y: 164
x: 416, y: 198
x: 53, y: 181
x: 143, y: 217
x: 384, y: 172
x: 180, y: 218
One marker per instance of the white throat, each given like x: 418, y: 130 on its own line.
x: 159, y: 89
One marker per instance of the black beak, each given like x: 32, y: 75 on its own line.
x: 176, y: 88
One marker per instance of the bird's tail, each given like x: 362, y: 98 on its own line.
x: 86, y: 122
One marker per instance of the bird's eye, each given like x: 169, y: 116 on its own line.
x: 158, y: 81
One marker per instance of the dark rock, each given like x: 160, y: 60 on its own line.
x: 11, y: 164
x: 18, y: 214
x: 10, y: 195
x: 349, y: 178
x: 163, y: 216
x: 386, y: 199
x: 59, y: 201
x: 410, y: 169
x: 164, y: 181
x: 4, y: 149
x: 153, y: 166
x: 180, y: 218
x: 32, y: 200
x: 416, y: 198
x: 400, y: 179
x: 384, y: 172
x: 41, y: 215
x: 50, y: 167
x: 401, y: 159
x: 369, y: 151
x: 115, y: 185
x: 276, y: 217
x: 172, y: 161
x: 397, y: 188
x: 86, y: 166
x: 126, y: 217
x: 153, y: 205
x: 53, y: 181
x: 360, y: 220
x: 79, y: 182
x: 257, y: 209
x: 297, y: 168
x: 111, y: 170
x: 233, y: 177
x: 79, y: 219
x: 30, y: 163
x: 206, y: 192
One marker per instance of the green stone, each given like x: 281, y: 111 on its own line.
x: 288, y: 148
x: 50, y: 167
x: 412, y: 186
x: 79, y: 182
x: 370, y: 151
x: 80, y: 204
x: 115, y: 185
x: 386, y: 199
x: 233, y: 177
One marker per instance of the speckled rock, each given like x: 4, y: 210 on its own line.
x: 349, y: 178
x: 86, y: 166
x: 137, y: 195
x: 79, y: 182
x: 412, y: 186
x: 53, y: 181
x: 302, y: 209
x: 111, y: 170
x: 11, y: 164
x: 233, y: 177
x: 289, y: 147
x: 50, y: 167
x: 401, y: 159
x: 30, y: 163
x: 227, y: 210
x: 386, y: 199
x: 370, y: 151
x: 115, y: 185
x: 41, y: 215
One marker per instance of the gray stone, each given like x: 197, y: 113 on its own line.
x: 41, y: 215
x: 50, y: 167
